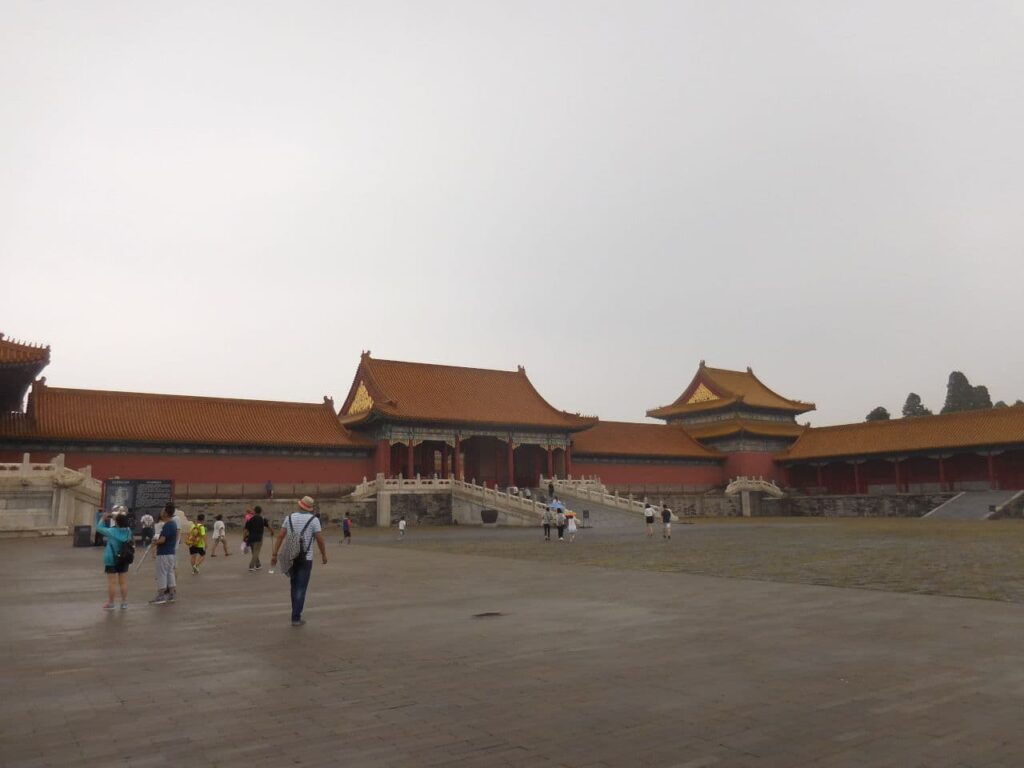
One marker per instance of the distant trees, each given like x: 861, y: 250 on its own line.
x: 961, y: 396
x: 878, y: 414
x: 914, y: 407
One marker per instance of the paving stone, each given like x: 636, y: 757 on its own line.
x: 587, y: 667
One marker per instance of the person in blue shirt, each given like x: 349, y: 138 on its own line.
x: 166, y: 560
x: 116, y: 536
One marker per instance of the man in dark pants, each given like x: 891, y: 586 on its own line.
x: 304, y: 524
x: 254, y: 528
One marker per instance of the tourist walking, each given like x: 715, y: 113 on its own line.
x: 196, y: 542
x: 549, y: 518
x: 114, y: 564
x: 147, y: 529
x: 303, y: 527
x: 219, y: 536
x: 649, y: 519
x: 401, y: 527
x: 269, y: 488
x: 253, y: 534
x: 551, y: 490
x: 560, y: 523
x: 666, y: 522
x: 571, y: 526
x: 166, y: 548
x: 346, y: 530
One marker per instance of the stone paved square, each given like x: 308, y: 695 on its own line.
x: 585, y: 666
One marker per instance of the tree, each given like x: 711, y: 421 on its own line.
x: 961, y: 396
x: 878, y: 414
x: 959, y: 393
x: 913, y: 406
x: 980, y: 398
x: 1000, y: 404
x: 1019, y: 402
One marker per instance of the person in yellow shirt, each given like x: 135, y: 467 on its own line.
x: 196, y: 541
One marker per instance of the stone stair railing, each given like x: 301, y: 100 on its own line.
x: 592, y: 490
x: 593, y: 482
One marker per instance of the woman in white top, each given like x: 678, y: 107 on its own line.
x: 219, y: 536
x: 572, y: 526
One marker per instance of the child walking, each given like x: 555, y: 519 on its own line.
x: 219, y: 536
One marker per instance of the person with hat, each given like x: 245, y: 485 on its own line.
x: 304, y: 524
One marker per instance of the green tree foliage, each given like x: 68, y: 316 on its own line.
x: 1019, y: 402
x: 914, y: 407
x: 961, y: 396
x: 1000, y: 404
x: 878, y: 414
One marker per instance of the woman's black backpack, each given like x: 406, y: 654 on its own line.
x: 126, y: 554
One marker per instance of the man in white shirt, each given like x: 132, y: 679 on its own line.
x: 304, y: 524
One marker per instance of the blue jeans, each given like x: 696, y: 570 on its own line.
x: 300, y: 573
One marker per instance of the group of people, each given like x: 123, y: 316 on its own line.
x: 565, y: 522
x: 293, y: 542
x: 666, y: 521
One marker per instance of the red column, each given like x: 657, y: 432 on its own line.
x: 856, y: 477
x: 992, y: 471
x: 458, y: 458
x: 551, y: 462
x: 896, y: 464
x: 511, y: 464
x: 568, y: 460
x: 410, y: 462
x: 942, y: 474
x: 444, y: 460
x: 382, y: 456
x: 821, y: 481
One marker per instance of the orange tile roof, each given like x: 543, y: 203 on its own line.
x: 725, y: 388
x: 449, y: 394
x: 132, y: 417
x: 967, y: 429
x: 752, y: 426
x: 19, y: 353
x: 622, y: 438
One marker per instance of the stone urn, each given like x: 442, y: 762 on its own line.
x: 489, y: 516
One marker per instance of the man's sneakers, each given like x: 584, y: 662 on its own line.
x: 252, y: 570
x: 124, y: 606
x: 195, y: 570
x: 298, y: 623
x: 162, y: 599
x: 109, y: 607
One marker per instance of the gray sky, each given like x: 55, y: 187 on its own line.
x: 237, y: 198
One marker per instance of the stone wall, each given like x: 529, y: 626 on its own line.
x: 1014, y: 508
x: 422, y: 508
x: 363, y: 512
x: 45, y: 499
x: 902, y: 505
x: 699, y: 504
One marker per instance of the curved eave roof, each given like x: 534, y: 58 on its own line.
x: 445, y: 394
x: 21, y: 354
x: 730, y: 388
x: 750, y: 426
x: 968, y: 429
x: 629, y: 439
x: 133, y: 417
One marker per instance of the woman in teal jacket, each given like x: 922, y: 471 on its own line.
x: 117, y: 575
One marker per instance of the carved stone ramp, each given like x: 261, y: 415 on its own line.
x: 971, y: 505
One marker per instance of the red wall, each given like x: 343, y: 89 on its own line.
x: 633, y: 474
x: 750, y: 464
x: 212, y: 468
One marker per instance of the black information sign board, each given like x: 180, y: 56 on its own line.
x: 139, y: 496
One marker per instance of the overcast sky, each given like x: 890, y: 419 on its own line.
x: 237, y: 198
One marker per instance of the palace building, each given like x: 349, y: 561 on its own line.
x: 494, y: 427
